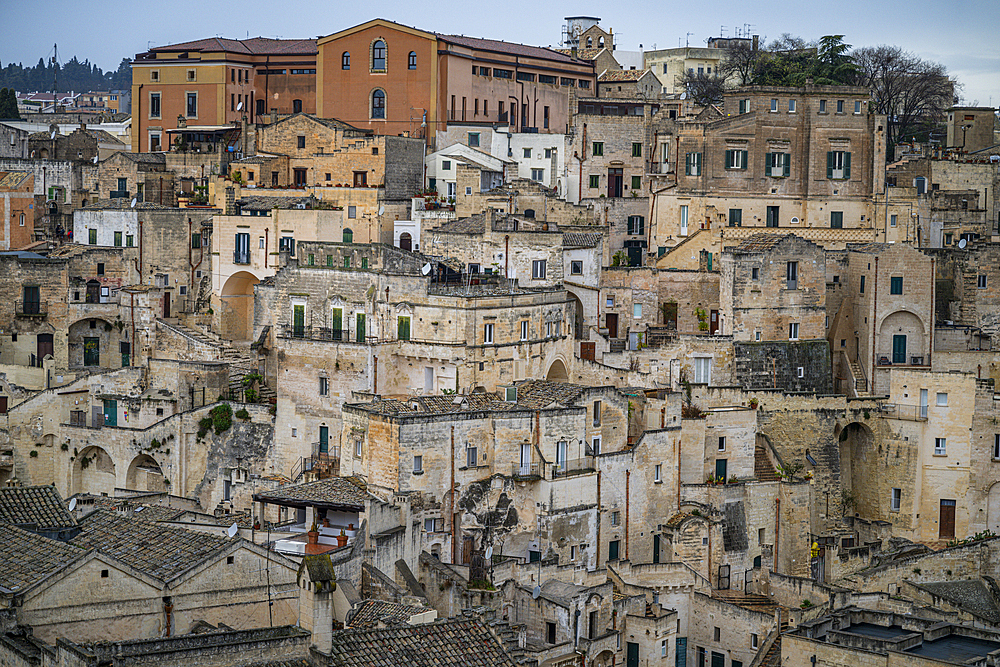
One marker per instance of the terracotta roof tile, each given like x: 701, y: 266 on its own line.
x: 26, y: 558
x: 346, y: 492
x: 38, y: 507
x: 372, y: 613
x: 622, y: 75
x: 509, y: 48
x: 252, y: 46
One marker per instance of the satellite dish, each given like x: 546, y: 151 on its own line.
x: 134, y: 200
x: 535, y: 593
x: 95, y: 159
x: 232, y: 530
x: 239, y: 107
x: 381, y: 210
x: 963, y: 243
x: 426, y: 270
x: 72, y: 504
x: 489, y: 553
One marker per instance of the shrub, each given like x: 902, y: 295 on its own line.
x: 222, y: 418
x: 34, y: 454
x: 242, y: 414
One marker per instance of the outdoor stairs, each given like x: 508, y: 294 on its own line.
x: 773, y: 656
x: 859, y: 375
x: 763, y: 471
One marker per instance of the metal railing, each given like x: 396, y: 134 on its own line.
x: 31, y: 308
x: 914, y: 413
x: 316, y: 333
x: 573, y: 467
x: 241, y: 257
x: 526, y: 471
x: 329, y: 459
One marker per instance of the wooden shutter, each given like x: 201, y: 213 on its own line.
x: 687, y: 164
x: 786, y: 164
x: 768, y: 161
x: 729, y: 159
x: 743, y: 164
x: 829, y: 164
x: 847, y: 166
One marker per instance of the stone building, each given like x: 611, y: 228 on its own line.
x: 17, y: 192
x: 804, y: 160
x: 83, y: 144
x: 142, y: 176
x: 971, y: 129
x: 13, y: 141
x: 629, y: 83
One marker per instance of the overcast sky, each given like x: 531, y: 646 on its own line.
x: 961, y: 34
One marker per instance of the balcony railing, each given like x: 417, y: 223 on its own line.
x: 915, y: 413
x: 316, y: 333
x: 31, y: 308
x: 526, y: 471
x: 573, y: 467
x: 240, y: 257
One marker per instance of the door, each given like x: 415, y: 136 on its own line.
x: 923, y: 404
x: 656, y: 548
x: 718, y: 659
x: 43, y: 346
x: 588, y: 351
x: 166, y: 305
x: 338, y: 323
x: 428, y: 379
x: 405, y: 241
x: 720, y: 468
x: 125, y: 350
x: 91, y: 351
x: 670, y: 315
x: 899, y: 349
x: 713, y: 321
x: 525, y: 458
x: 612, y: 319
x: 946, y: 525
x: 324, y: 439
x: 724, y: 578
x: 32, y: 300
x: 360, y: 328
x: 110, y: 412
x: 300, y: 178
x: 616, y: 177
x: 681, y: 652
x: 592, y: 625
x: 632, y: 654
x: 772, y: 216
x: 93, y: 291
x: 298, y: 320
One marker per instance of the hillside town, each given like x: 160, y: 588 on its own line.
x: 395, y: 347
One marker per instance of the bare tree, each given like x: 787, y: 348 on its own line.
x: 704, y: 89
x: 741, y: 63
x: 912, y: 93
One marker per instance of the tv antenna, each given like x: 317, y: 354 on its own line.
x: 687, y: 39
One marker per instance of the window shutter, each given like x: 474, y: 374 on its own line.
x: 829, y: 164
x: 729, y: 159
x: 847, y: 165
x: 768, y: 161
x: 786, y: 164
x: 687, y: 164
x: 743, y: 164
x: 697, y: 164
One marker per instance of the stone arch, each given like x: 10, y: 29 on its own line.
x: 993, y: 508
x: 579, y: 331
x: 858, y: 469
x: 145, y: 474
x: 92, y: 344
x: 557, y: 372
x: 406, y: 241
x: 904, y: 325
x: 605, y: 658
x: 94, y: 472
x: 236, y: 316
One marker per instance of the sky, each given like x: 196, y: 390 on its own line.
x: 960, y: 34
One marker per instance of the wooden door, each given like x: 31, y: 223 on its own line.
x: 713, y: 321
x: 338, y: 323
x: 43, y: 345
x: 588, y: 350
x: 360, y: 328
x: 166, y: 305
x: 632, y: 654
x: 298, y: 320
x: 110, y: 412
x: 324, y: 439
x: 616, y: 178
x: 612, y: 319
x: 405, y: 241
x: 946, y: 524
x: 899, y: 349
x: 721, y: 466
x: 91, y: 351
x: 772, y: 216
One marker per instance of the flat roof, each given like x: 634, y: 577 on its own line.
x: 955, y: 648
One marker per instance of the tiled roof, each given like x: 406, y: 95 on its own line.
x: 103, y: 135
x: 13, y: 179
x: 474, y: 224
x: 677, y: 519
x: 330, y: 492
x: 254, y: 45
x: 622, y: 75
x: 372, y: 613
x: 537, y: 394
x: 760, y: 242
x: 26, y: 558
x: 970, y: 594
x: 159, y: 551
x: 148, y: 158
x: 868, y: 248
x: 454, y: 643
x: 581, y: 240
x: 36, y: 506
x: 265, y: 203
x: 509, y: 48
x: 119, y: 203
x: 582, y: 54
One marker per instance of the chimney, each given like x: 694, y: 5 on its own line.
x: 181, y: 122
x: 230, y: 200
x: 317, y: 584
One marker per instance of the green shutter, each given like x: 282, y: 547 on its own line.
x: 360, y: 329
x: 847, y: 166
x: 729, y: 159
x: 403, y: 328
x: 786, y: 164
x: 829, y: 164
x: 338, y: 320
x: 745, y: 161
x: 687, y: 164
x: 768, y: 161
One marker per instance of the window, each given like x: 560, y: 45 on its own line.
x: 378, y: 55
x: 684, y: 220
x: 352, y: 212
x: 981, y: 281
x: 597, y: 413
x: 192, y: 105
x: 595, y: 181
x: 598, y: 148
x: 615, y: 518
x: 312, y: 259
x: 722, y: 443
x: 792, y: 275
x: 378, y: 104
x: 295, y: 432
x: 301, y: 141
x: 471, y: 456
x: 791, y: 106
x: 191, y: 75
x: 538, y: 175
x: 445, y: 165
x: 403, y: 328
x: 636, y: 225
x: 285, y: 244
x: 793, y: 331
x: 692, y: 164
x: 411, y: 60
x: 526, y: 152
x: 940, y: 446
x: 324, y: 386
x: 996, y: 446
x: 488, y: 334
x: 154, y: 75
x: 896, y: 285
x: 702, y: 370
x: 857, y: 106
x: 942, y: 399
x: 757, y: 335
x: 576, y: 268
x: 433, y: 525
x: 838, y: 165
x: 717, y: 634
x: 538, y: 269
x: 736, y: 159
x: 418, y: 466
x: 524, y: 330
x: 663, y: 648
x: 754, y: 640
x: 636, y: 149
x: 345, y: 60
x: 358, y: 448
x: 822, y: 106
x: 862, y: 284
x: 92, y: 236
x: 657, y: 473
x: 474, y: 139
x: 774, y: 104
x: 840, y: 106
x: 296, y: 106
x: 129, y: 240
x: 154, y: 105
x: 610, y: 301
x: 118, y: 239
x: 777, y: 165
x: 895, y: 500
x: 637, y: 182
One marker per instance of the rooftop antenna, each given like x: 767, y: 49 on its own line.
x: 55, y: 71
x: 687, y: 39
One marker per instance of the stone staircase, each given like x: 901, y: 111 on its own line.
x: 860, y: 384
x: 773, y: 656
x: 763, y: 471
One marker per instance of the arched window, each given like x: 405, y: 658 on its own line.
x: 296, y: 106
x: 378, y: 55
x: 590, y: 42
x: 378, y: 104
x: 345, y: 60
x: 348, y: 235
x: 413, y: 60
x: 600, y: 42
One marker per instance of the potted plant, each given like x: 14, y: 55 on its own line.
x: 341, y: 539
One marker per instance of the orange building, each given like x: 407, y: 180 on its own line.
x: 216, y: 82
x: 394, y: 79
x: 17, y: 204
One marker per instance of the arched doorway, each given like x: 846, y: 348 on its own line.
x: 993, y: 509
x: 901, y: 338
x: 94, y: 472
x: 236, y: 316
x: 405, y: 241
x: 144, y: 474
x: 91, y: 343
x: 858, y: 470
x: 557, y: 372
x: 579, y: 330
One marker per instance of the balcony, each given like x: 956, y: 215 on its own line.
x: 240, y: 257
x: 31, y: 308
x: 526, y: 471
x: 316, y: 333
x: 572, y: 467
x: 913, y: 413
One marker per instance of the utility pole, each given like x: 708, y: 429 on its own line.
x: 55, y: 72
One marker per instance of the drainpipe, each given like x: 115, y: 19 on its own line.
x: 131, y: 303
x: 201, y: 255
x: 168, y: 609
x: 777, y: 525
x: 874, y: 314
x: 597, y: 555
x: 266, y: 243
x: 628, y: 474
x: 139, y: 261
x: 930, y: 347
x: 451, y: 498
x: 678, y: 473
x: 506, y: 256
